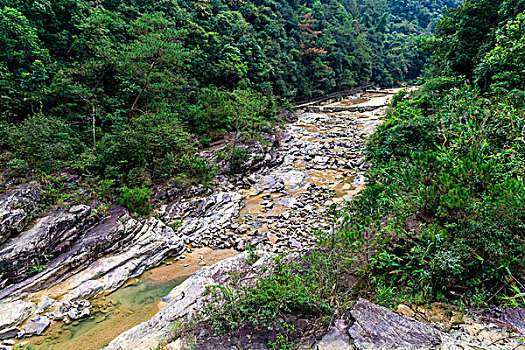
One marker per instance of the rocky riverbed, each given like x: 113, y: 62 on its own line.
x: 281, y: 206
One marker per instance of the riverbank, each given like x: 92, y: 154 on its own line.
x: 278, y: 209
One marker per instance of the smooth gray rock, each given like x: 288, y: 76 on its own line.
x: 73, y: 313
x: 16, y: 206
x: 45, y: 303
x: 36, y: 326
x: 337, y: 337
x: 9, y: 333
x: 378, y: 328
x: 15, y: 312
x: 269, y: 183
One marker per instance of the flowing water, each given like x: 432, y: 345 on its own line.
x: 117, y: 312
x: 135, y: 302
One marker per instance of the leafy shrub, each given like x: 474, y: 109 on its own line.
x: 150, y: 148
x: 237, y: 158
x: 46, y: 143
x: 18, y: 167
x: 291, y: 287
x: 136, y: 200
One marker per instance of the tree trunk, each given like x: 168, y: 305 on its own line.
x: 143, y: 88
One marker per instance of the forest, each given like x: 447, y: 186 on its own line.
x: 126, y: 92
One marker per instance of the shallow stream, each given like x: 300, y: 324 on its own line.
x: 117, y: 312
x: 137, y: 301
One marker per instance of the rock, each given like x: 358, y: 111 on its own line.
x: 128, y: 247
x: 507, y: 316
x: 84, y: 313
x: 220, y: 211
x: 73, y: 313
x: 405, y: 310
x: 272, y: 238
x: 86, y: 289
x: 16, y: 207
x: 56, y: 315
x: 9, y: 333
x: 294, y: 179
x: 241, y: 246
x: 36, y: 326
x: 178, y: 344
x: 321, y: 160
x: 8, y: 342
x: 294, y: 244
x: 337, y: 337
x: 377, y: 328
x: 270, y: 183
x: 14, y: 313
x: 309, y: 208
x: 45, y: 303
x: 288, y: 201
x: 347, y: 187
x: 244, y: 228
x: 50, y: 235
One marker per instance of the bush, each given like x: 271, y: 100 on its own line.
x: 449, y: 194
x: 293, y: 287
x: 46, y: 143
x: 136, y: 200
x: 149, y: 149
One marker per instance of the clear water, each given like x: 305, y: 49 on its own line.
x: 119, y: 311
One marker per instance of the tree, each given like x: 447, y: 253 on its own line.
x: 504, y: 65
x: 154, y: 63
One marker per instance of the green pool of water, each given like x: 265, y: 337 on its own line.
x: 119, y: 311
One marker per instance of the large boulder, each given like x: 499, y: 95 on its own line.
x: 16, y: 208
x: 36, y: 326
x: 377, y: 328
x: 48, y: 237
x: 12, y: 314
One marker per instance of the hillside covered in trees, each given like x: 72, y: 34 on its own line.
x: 122, y: 90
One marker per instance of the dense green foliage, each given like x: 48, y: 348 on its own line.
x: 482, y: 40
x: 442, y: 217
x: 450, y: 197
x: 291, y: 287
x: 119, y: 89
